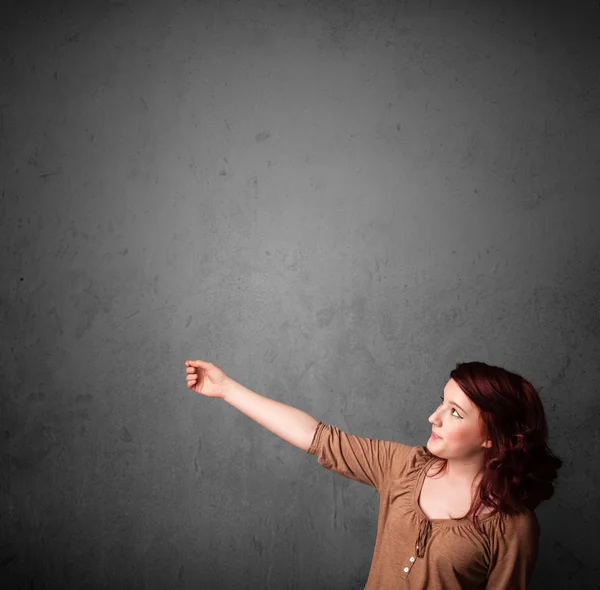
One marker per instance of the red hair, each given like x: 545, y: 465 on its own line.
x: 519, y: 468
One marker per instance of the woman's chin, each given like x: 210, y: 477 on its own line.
x: 432, y: 444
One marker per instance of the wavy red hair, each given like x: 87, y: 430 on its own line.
x: 519, y: 468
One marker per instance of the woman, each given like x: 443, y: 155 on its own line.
x: 456, y: 513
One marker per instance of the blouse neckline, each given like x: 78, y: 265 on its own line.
x: 445, y: 521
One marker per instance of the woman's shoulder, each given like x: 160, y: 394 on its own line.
x: 526, y: 520
x: 524, y: 525
x: 408, y: 460
x: 422, y: 455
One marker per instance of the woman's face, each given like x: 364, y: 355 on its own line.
x: 456, y: 421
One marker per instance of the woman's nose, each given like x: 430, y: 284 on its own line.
x: 434, y: 419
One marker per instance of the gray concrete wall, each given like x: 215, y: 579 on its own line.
x: 334, y: 202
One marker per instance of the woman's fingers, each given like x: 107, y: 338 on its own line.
x: 199, y: 363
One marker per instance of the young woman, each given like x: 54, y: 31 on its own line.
x: 458, y: 513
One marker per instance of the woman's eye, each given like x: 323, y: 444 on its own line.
x: 453, y: 409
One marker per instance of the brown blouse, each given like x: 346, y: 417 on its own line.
x: 412, y: 551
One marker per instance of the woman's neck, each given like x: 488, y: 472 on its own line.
x: 463, y: 472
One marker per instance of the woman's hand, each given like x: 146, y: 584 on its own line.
x: 205, y: 378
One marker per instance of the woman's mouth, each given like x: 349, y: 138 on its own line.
x: 434, y: 436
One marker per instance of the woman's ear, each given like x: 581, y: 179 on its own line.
x: 487, y: 444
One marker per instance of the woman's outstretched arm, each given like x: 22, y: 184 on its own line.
x: 289, y: 423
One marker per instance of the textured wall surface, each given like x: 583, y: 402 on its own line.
x: 334, y: 202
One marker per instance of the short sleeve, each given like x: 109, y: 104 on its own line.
x: 514, y: 554
x: 366, y: 460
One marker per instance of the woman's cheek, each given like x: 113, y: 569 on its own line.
x: 460, y: 436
